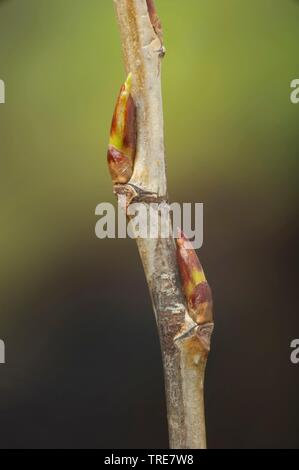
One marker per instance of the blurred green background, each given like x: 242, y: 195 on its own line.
x: 82, y: 354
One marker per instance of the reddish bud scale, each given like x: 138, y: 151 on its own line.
x: 123, y: 136
x: 195, y: 286
x: 155, y: 20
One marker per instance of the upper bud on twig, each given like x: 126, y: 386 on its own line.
x: 155, y: 20
x: 195, y: 286
x: 123, y: 136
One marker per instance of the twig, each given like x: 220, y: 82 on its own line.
x: 185, y: 338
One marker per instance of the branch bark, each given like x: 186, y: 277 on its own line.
x: 184, y: 343
x: 141, y: 47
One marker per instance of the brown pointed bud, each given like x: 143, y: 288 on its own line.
x: 155, y: 20
x: 195, y: 286
x: 123, y: 136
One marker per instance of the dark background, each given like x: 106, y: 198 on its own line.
x: 83, y: 361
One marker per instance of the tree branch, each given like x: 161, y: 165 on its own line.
x: 141, y: 48
x: 184, y: 341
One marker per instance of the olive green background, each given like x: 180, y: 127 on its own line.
x: 83, y: 363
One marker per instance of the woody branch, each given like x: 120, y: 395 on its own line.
x: 181, y: 298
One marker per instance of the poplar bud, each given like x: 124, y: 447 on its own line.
x: 195, y: 286
x: 123, y: 136
x: 155, y: 20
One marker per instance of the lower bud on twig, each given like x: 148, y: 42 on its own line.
x: 195, y: 286
x: 123, y: 136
